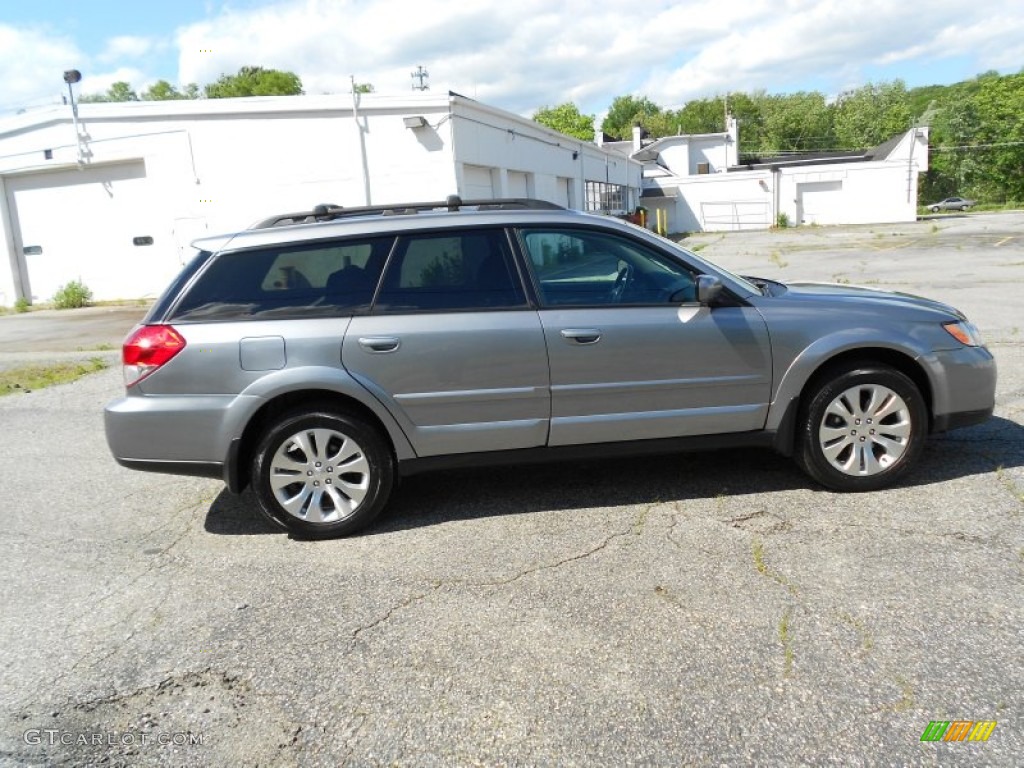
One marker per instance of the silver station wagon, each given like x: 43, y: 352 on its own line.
x: 321, y: 355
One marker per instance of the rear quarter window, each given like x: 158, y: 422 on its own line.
x: 287, y: 281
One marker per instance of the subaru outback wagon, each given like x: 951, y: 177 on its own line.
x: 320, y: 356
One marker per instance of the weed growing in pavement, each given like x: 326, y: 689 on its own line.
x: 786, y: 638
x: 22, y: 304
x: 72, y: 295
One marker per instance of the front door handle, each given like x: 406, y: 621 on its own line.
x: 582, y: 335
x: 379, y: 343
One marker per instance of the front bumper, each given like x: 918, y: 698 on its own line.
x: 963, y: 387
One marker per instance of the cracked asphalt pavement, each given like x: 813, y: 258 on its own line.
x: 699, y: 609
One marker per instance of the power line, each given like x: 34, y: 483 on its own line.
x: 976, y: 146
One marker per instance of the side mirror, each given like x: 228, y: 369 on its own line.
x: 708, y: 288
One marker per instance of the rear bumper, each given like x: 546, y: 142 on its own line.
x: 187, y: 435
x: 191, y: 468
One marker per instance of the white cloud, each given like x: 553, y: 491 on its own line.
x: 837, y: 44
x: 523, y: 55
x: 526, y: 54
x: 126, y: 47
x: 32, y: 63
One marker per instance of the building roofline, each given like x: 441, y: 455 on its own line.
x: 200, y: 108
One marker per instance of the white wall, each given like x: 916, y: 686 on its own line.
x: 878, y: 191
x: 216, y: 165
x: 220, y: 165
x: 718, y: 202
x: 555, y: 165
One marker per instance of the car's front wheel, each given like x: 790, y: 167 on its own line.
x: 321, y: 474
x: 934, y: 209
x: 861, y: 428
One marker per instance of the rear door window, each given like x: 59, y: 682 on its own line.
x: 446, y: 271
x: 286, y: 281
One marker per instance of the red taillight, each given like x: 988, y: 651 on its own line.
x: 147, y: 349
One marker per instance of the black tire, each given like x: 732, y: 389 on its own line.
x: 935, y: 209
x: 852, y: 436
x: 311, y: 447
x: 963, y: 208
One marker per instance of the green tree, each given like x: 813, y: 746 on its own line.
x: 701, y: 116
x: 162, y: 90
x: 793, y: 122
x: 364, y: 88
x: 869, y: 115
x: 119, y: 91
x: 999, y: 139
x: 255, y: 81
x: 567, y: 118
x: 625, y: 112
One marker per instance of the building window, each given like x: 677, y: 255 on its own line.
x: 605, y: 197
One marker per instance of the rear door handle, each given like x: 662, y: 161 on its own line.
x: 582, y: 335
x: 379, y: 343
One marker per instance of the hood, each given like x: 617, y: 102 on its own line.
x: 859, y: 296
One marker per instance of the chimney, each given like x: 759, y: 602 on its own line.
x: 637, y: 135
x: 732, y: 142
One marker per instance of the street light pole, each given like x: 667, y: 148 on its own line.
x: 72, y: 76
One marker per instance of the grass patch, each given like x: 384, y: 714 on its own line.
x: 31, y: 377
x: 104, y: 347
x: 776, y: 258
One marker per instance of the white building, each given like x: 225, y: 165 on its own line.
x: 114, y: 198
x: 697, y: 181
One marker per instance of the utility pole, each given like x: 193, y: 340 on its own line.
x: 419, y: 78
x: 362, y: 141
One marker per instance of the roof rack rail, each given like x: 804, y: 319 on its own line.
x: 330, y: 212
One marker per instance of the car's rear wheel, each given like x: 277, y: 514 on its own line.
x: 861, y: 428
x: 322, y: 474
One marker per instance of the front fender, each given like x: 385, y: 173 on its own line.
x: 794, y: 376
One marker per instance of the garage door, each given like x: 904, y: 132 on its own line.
x: 517, y: 184
x: 97, y: 225
x: 476, y: 183
x: 819, y: 202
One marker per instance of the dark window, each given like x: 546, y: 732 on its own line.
x: 469, y: 269
x: 602, y: 196
x: 312, y: 280
x: 588, y: 268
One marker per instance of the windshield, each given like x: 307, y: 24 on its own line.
x: 691, y: 256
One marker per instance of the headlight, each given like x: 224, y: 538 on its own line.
x: 964, y: 332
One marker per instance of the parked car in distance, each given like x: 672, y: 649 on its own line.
x: 323, y: 354
x: 952, y: 204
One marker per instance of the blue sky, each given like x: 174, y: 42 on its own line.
x: 516, y: 55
